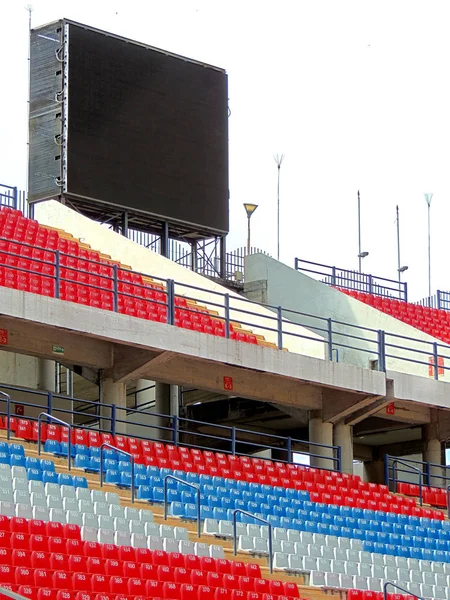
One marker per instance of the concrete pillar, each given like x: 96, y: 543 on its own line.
x: 321, y: 433
x: 432, y: 449
x: 46, y: 375
x: 343, y: 437
x: 432, y: 453
x: 113, y: 393
x: 374, y: 471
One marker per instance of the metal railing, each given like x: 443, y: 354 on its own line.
x: 120, y: 451
x: 261, y: 520
x: 354, y: 280
x: 116, y: 288
x: 10, y: 594
x: 7, y: 397
x: 178, y: 430
x: 397, y: 587
x: 398, y: 461
x: 61, y: 422
x: 426, y: 471
x: 191, y: 485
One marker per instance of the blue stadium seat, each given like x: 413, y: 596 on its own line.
x: 17, y: 460
x: 81, y: 461
x: 94, y: 464
x: 191, y: 511
x: 17, y: 449
x: 47, y: 465
x: 125, y: 479
x: 31, y: 462
x: 64, y: 449
x: 240, y: 485
x: 81, y: 450
x: 153, y: 471
x: 109, y: 463
x: 218, y: 481
x: 34, y: 474
x: 79, y: 482
x: 140, y: 469
x: 110, y: 454
x: 192, y: 478
x: 254, y: 487
x: 53, y: 447
x: 112, y: 476
x: 4, y: 447
x: 415, y: 553
x: 49, y: 477
x: 303, y: 495
x: 65, y: 479
x: 158, y: 494
x: 124, y: 466
x: 291, y: 513
x: 177, y: 509
x: 164, y: 472
x: 214, y: 502
x: 141, y: 479
x: 94, y: 452
x: 220, y: 514
x: 227, y: 503
x: 379, y: 548
x: 173, y: 495
x: 144, y: 492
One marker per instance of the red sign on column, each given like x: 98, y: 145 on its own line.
x: 228, y: 383
x: 3, y: 337
x: 390, y: 409
x: 19, y: 410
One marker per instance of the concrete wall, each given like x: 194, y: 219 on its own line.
x: 18, y: 369
x: 274, y: 283
x: 143, y: 260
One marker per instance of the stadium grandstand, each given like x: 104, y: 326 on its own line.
x: 176, y: 433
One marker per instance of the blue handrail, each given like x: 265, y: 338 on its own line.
x: 120, y: 451
x: 52, y: 418
x: 261, y: 520
x: 191, y: 485
x: 397, y: 587
x: 398, y: 461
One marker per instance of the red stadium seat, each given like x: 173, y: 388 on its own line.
x: 58, y: 561
x: 24, y: 576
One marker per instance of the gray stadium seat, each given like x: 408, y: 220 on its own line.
x: 112, y: 498
x: 19, y: 483
x: 25, y: 511
x: 58, y: 515
x: 41, y: 513
x: 332, y: 580
x: 360, y: 582
x: 310, y: 563
x: 280, y: 533
x: 289, y: 547
x: 68, y: 491
x: 365, y: 570
x: 136, y: 526
x: 154, y: 543
x: 83, y: 494
x: 121, y: 525
x: 90, y: 520
x: 52, y: 489
x: 171, y: 545
x: 296, y: 563
x: 38, y: 499
x: 132, y: 514
x: 138, y: 540
x: 340, y: 553
x: 22, y: 497
x: 226, y: 529
x: 98, y: 496
x: 346, y: 582
x: 280, y: 561
x: 106, y: 536
x: 301, y: 548
x: 101, y: 509
x: 344, y: 543
x: 54, y: 501
x: 324, y: 564
x: 318, y: 579
x: 151, y: 529
x: 293, y: 535
x: 166, y: 531
x: 74, y: 517
x: 261, y: 545
x: 115, y: 510
x: 186, y: 547
x: 351, y: 568
x: 36, y: 486
x: 210, y: 527
x: 216, y: 552
x: 86, y: 506
x: 315, y: 551
x: 201, y: 549
x: 70, y: 504
x: 89, y: 534
x: 374, y: 584
x: 254, y: 530
x: 122, y: 538
x: 146, y: 516
x: 106, y: 522
x: 19, y: 472
x: 338, y: 566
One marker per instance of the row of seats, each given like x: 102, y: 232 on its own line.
x: 27, y: 263
x: 431, y: 495
x: 433, y: 321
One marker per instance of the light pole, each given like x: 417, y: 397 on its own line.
x: 278, y: 159
x: 428, y: 198
x: 249, y: 209
x: 400, y: 269
x: 361, y: 254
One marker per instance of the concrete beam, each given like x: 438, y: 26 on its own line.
x: 363, y: 413
x: 339, y: 405
x: 406, y: 412
x: 213, y: 377
x: 34, y: 339
x: 131, y: 364
x: 402, y: 448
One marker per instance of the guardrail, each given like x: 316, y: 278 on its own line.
x: 354, y: 280
x: 261, y: 520
x: 191, y: 485
x: 426, y: 472
x: 61, y: 422
x: 280, y: 323
x: 178, y: 431
x: 120, y: 451
x: 397, y: 587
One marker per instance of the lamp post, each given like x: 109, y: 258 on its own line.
x: 361, y: 254
x: 428, y: 198
x: 400, y: 269
x: 249, y: 209
x: 278, y: 159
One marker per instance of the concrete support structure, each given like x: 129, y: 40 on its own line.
x: 320, y: 433
x: 374, y: 471
x: 113, y: 393
x: 46, y: 375
x: 145, y: 393
x: 343, y: 437
x: 432, y: 453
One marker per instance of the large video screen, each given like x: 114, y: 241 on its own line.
x: 146, y: 130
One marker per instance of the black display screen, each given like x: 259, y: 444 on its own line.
x: 146, y: 131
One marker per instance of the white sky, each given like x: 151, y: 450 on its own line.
x: 356, y: 94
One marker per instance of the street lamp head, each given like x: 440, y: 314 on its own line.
x: 428, y: 198
x: 250, y: 209
x: 363, y: 255
x: 403, y: 269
